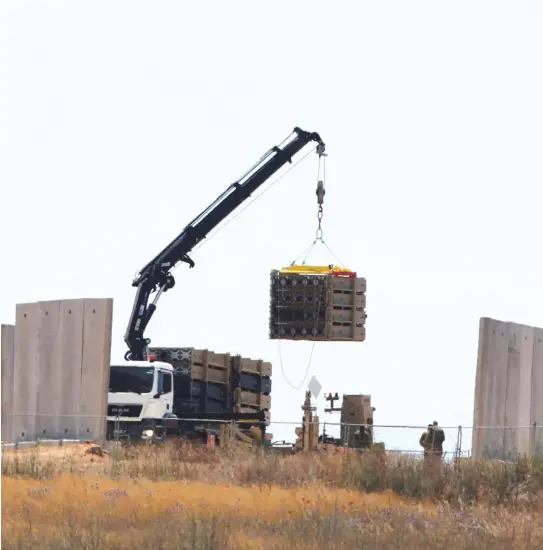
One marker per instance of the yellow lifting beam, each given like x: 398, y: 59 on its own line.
x: 315, y: 269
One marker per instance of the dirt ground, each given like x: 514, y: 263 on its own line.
x: 79, y: 451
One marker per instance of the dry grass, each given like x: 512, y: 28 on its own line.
x: 178, y: 498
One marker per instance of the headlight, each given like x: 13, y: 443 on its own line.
x: 147, y: 434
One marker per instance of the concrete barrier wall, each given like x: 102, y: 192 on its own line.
x: 48, y: 371
x: 537, y: 393
x: 61, y: 375
x: 71, y: 353
x: 97, y: 322
x: 26, y: 375
x: 508, y: 389
x: 7, y: 362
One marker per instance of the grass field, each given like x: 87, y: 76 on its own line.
x: 175, y: 497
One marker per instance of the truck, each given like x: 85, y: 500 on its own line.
x: 141, y: 398
x: 143, y: 405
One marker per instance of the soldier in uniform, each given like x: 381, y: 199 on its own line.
x: 432, y: 442
x: 437, y: 439
x: 358, y: 437
x: 424, y: 440
x: 363, y: 436
x: 369, y: 431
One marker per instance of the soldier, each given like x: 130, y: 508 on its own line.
x: 369, y: 431
x: 360, y: 438
x: 436, y: 440
x: 424, y: 440
x: 357, y: 437
x: 363, y: 437
x: 432, y: 441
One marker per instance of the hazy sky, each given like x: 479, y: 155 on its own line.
x: 121, y: 121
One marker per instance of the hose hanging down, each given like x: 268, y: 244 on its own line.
x: 320, y: 192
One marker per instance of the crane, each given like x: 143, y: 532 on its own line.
x: 156, y: 277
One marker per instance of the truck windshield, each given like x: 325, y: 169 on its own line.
x: 130, y: 380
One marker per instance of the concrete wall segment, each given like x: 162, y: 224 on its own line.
x: 508, y: 389
x: 26, y: 375
x: 97, y: 324
x: 537, y: 392
x: 48, y: 371
x: 61, y: 369
x: 70, y: 358
x: 7, y: 361
x: 522, y: 346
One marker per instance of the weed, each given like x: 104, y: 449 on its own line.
x: 176, y: 497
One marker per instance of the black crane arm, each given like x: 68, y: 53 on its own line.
x: 156, y: 277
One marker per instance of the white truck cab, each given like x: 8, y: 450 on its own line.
x: 141, y: 393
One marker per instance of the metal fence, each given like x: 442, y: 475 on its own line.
x: 396, y: 438
x: 498, y: 443
x: 501, y: 443
x: 505, y: 442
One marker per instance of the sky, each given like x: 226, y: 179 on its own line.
x: 121, y: 121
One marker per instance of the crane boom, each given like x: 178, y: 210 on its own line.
x: 155, y: 277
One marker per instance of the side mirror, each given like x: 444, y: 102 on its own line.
x: 156, y: 396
